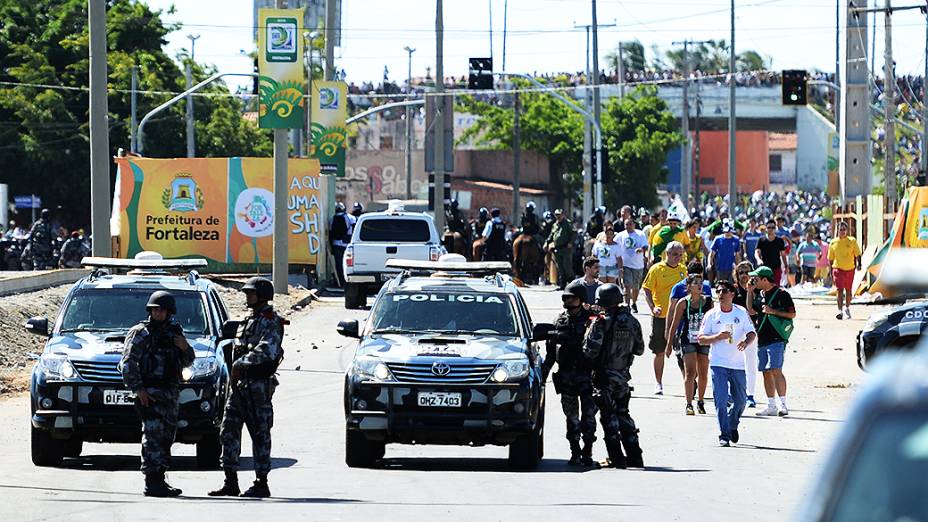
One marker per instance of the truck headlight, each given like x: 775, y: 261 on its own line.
x: 201, y: 367
x: 510, y: 370
x: 57, y: 366
x: 372, y: 368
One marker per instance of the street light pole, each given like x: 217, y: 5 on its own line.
x: 597, y: 109
x: 99, y: 131
x: 732, y: 122
x: 191, y: 136
x: 438, y: 201
x: 408, y: 165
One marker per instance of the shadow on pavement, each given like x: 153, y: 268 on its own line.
x: 68, y: 490
x: 132, y: 462
x: 476, y: 464
x: 662, y: 469
x: 769, y: 448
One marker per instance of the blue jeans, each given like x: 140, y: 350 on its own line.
x: 726, y: 383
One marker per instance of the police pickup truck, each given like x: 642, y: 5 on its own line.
x: 380, y: 236
x: 77, y: 391
x: 447, y: 356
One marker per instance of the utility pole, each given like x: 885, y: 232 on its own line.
x: 191, y: 130
x: 686, y: 158
x: 330, y: 16
x: 696, y: 151
x: 408, y: 165
x: 588, y: 177
x: 889, y: 107
x: 924, y: 150
x: 597, y: 108
x: 620, y: 71
x: 837, y: 63
x: 516, y: 155
x: 99, y: 131
x: 133, y: 121
x: 280, y: 247
x: 439, y: 123
x: 490, y: 3
x: 732, y: 121
x: 505, y: 16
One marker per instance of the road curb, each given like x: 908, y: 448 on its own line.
x: 30, y: 281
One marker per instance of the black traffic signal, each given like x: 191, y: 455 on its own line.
x: 794, y: 87
x: 606, y: 176
x: 480, y: 73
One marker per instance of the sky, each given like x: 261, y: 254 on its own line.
x: 796, y: 34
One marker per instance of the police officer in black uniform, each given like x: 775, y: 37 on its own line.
x: 481, y: 222
x: 41, y: 241
x: 573, y: 379
x: 612, y: 340
x: 596, y: 223
x: 495, y: 233
x: 339, y: 238
x: 455, y: 222
x: 357, y: 209
x: 154, y: 354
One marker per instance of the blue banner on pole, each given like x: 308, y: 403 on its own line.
x: 28, y: 201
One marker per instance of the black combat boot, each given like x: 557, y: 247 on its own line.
x: 586, y: 454
x: 616, y: 457
x: 155, y: 486
x: 574, y: 453
x: 633, y: 450
x: 229, y: 487
x: 259, y: 489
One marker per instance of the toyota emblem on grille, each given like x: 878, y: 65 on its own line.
x: 441, y: 368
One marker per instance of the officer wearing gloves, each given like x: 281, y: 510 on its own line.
x: 611, y: 342
x: 154, y: 354
x: 572, y: 380
x: 257, y: 353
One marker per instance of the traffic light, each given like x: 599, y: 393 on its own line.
x: 794, y: 87
x: 606, y: 176
x: 480, y: 73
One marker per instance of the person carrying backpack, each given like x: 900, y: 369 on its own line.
x: 775, y: 325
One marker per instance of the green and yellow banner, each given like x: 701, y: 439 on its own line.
x: 218, y: 208
x: 329, y: 134
x: 280, y: 67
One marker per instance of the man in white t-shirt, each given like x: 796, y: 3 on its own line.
x: 633, y: 246
x: 728, y: 330
x: 608, y: 252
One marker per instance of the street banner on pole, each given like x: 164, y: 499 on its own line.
x: 281, y: 102
x: 218, y: 208
x: 329, y: 135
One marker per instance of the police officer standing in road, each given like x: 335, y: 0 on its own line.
x: 611, y: 342
x: 154, y: 354
x: 573, y: 379
x: 495, y: 234
x: 40, y: 241
x: 560, y: 243
x: 256, y: 355
x: 339, y: 237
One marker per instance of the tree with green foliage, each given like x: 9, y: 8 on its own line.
x: 44, y: 130
x: 632, y: 56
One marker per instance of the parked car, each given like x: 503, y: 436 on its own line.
x: 77, y: 393
x: 446, y: 356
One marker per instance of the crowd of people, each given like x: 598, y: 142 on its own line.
x: 43, y: 245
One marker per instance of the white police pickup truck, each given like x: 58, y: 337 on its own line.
x: 379, y: 236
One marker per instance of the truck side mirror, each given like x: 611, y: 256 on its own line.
x: 37, y: 326
x: 229, y: 329
x: 542, y: 331
x: 348, y: 328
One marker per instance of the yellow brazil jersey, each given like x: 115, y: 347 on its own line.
x: 843, y: 252
x: 660, y: 280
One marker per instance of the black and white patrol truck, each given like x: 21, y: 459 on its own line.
x: 447, y: 355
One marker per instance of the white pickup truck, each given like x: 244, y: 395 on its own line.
x: 379, y: 236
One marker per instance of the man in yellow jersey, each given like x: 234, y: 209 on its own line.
x: 844, y: 256
x: 657, y: 286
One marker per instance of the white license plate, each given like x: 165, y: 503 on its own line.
x: 440, y: 399
x: 118, y: 397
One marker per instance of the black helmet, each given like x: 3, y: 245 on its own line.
x: 260, y: 286
x: 530, y: 207
x: 599, y: 211
x: 495, y: 212
x: 609, y: 295
x: 45, y: 213
x: 574, y: 289
x: 484, y: 212
x: 339, y: 207
x: 162, y: 299
x: 358, y: 207
x: 454, y: 204
x: 548, y: 215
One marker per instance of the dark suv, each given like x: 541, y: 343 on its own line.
x: 446, y: 359
x: 894, y: 329
x: 77, y: 392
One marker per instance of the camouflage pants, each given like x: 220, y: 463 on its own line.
x: 249, y: 404
x: 562, y: 258
x: 159, y: 425
x: 576, y: 391
x: 617, y: 421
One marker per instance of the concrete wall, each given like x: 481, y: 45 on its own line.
x: 812, y: 149
x: 752, y: 167
x: 787, y: 173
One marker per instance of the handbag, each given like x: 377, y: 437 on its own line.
x: 784, y: 327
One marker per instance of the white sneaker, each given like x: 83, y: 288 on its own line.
x: 658, y: 389
x: 847, y: 313
x: 782, y: 412
x: 769, y: 411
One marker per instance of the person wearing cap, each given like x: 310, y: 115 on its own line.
x: 256, y: 355
x: 728, y: 331
x: 725, y: 253
x: 154, y: 354
x: 775, y: 303
x: 560, y: 242
x: 657, y: 286
x: 573, y: 380
x: 672, y: 231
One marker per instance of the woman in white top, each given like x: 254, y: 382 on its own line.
x: 608, y: 253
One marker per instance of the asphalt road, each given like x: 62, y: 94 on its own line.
x: 687, y: 477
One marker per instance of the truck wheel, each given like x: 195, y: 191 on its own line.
x: 72, y: 448
x: 360, y: 452
x: 354, y: 296
x: 46, y: 451
x: 209, y: 449
x: 525, y: 452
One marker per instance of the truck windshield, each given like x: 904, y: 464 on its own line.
x: 480, y: 313
x: 395, y: 230
x: 120, y: 309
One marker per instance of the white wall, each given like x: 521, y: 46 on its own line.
x: 812, y: 131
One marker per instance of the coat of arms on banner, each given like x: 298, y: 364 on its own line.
x: 184, y: 195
